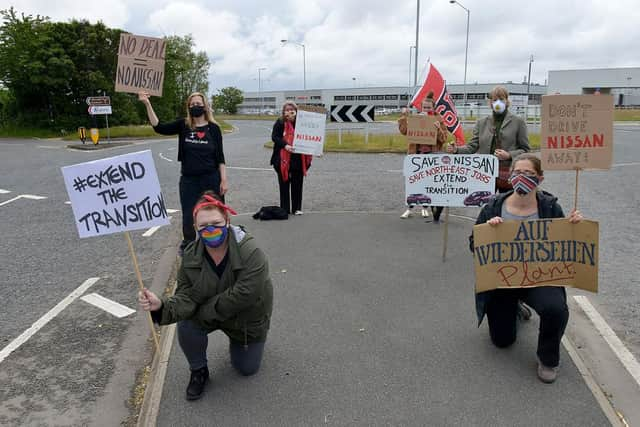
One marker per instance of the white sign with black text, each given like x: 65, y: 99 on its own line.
x: 310, y: 133
x: 115, y: 194
x: 449, y: 179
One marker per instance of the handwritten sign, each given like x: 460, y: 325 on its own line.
x: 140, y: 64
x: 450, y: 180
x: 545, y: 252
x: 421, y: 129
x: 310, y: 133
x: 115, y: 194
x: 577, y: 132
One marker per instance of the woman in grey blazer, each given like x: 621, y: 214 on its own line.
x: 502, y: 134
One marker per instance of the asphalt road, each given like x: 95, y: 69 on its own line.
x: 78, y: 368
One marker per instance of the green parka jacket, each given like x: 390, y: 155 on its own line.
x: 239, y: 303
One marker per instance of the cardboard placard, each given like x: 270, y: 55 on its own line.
x: 140, y: 64
x: 545, y: 252
x: 577, y: 132
x: 115, y: 194
x: 449, y: 180
x: 310, y: 133
x: 421, y: 129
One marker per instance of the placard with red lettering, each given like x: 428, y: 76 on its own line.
x: 545, y: 252
x: 140, y: 64
x: 577, y: 132
x: 449, y: 179
x: 421, y: 129
x: 310, y: 133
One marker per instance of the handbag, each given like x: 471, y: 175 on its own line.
x: 504, y: 166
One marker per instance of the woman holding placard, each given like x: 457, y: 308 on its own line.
x: 526, y: 202
x: 428, y: 105
x: 290, y: 166
x: 223, y: 284
x: 200, y: 152
x: 502, y: 134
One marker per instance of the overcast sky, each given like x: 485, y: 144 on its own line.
x: 370, y: 40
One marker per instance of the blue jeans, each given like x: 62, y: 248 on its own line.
x: 194, y: 340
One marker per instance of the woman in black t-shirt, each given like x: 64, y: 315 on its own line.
x: 200, y: 152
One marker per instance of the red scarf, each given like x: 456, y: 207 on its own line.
x: 285, y: 156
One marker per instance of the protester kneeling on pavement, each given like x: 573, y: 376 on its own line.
x: 526, y: 202
x: 223, y: 284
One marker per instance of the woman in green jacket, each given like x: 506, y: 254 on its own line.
x: 223, y: 284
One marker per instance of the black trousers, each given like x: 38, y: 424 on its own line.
x: 291, y: 190
x: 191, y: 188
x: 551, y: 305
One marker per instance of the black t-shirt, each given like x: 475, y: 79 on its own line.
x: 200, y: 150
x: 217, y: 268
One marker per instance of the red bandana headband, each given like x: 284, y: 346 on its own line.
x: 210, y: 201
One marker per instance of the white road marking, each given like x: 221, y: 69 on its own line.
x: 49, y: 147
x: 152, y: 230
x: 619, y: 165
x: 618, y: 348
x: 173, y: 210
x: 164, y: 158
x: 24, y: 337
x: 108, y: 305
x: 4, y: 191
x: 394, y: 170
x: 171, y: 149
x: 67, y: 202
x: 22, y: 196
x: 250, y: 169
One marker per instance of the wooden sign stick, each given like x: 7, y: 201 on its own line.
x: 446, y: 234
x: 139, y: 276
x: 575, y: 199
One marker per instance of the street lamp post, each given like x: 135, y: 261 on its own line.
x: 304, y: 61
x: 415, y: 65
x: 466, y: 51
x: 526, y: 108
x: 410, y: 61
x: 260, y: 88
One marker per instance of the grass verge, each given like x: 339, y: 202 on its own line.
x: 353, y: 142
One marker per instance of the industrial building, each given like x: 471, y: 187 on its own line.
x: 622, y: 83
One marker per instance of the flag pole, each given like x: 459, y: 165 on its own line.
x: 575, y: 198
x: 139, y: 276
x: 445, y: 234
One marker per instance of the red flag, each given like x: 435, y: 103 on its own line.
x: 443, y: 102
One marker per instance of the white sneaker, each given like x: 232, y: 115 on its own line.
x: 298, y: 213
x: 406, y: 214
x: 425, y: 213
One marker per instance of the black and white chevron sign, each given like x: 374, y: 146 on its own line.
x: 352, y: 113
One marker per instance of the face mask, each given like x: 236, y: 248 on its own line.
x: 290, y: 115
x: 499, y: 106
x: 196, y: 111
x: 524, y: 184
x: 213, y: 236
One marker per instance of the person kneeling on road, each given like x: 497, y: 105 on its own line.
x: 223, y: 284
x: 526, y: 203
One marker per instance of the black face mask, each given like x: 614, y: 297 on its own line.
x: 196, y: 111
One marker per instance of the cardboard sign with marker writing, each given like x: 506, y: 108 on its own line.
x: 140, y: 64
x: 421, y: 129
x: 577, y: 132
x: 545, y: 252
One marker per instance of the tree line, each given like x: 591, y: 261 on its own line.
x: 48, y: 69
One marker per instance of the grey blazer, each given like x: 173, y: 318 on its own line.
x: 513, y: 132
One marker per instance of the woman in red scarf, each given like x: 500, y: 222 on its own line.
x: 290, y: 167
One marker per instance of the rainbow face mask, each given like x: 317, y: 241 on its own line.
x: 213, y: 236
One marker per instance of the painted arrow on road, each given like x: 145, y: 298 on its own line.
x: 22, y: 196
x: 352, y: 113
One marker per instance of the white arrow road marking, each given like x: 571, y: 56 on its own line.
x: 108, y: 305
x: 152, y: 230
x: 13, y: 345
x: 619, y: 349
x: 4, y: 191
x: 22, y: 196
x: 350, y: 113
x: 164, y: 158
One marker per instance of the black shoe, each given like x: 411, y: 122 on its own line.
x: 199, y: 379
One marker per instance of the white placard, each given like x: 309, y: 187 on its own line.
x: 449, y: 179
x: 310, y: 133
x: 115, y: 194
x: 99, y: 109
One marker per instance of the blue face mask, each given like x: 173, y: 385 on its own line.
x: 213, y: 236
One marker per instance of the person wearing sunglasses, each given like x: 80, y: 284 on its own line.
x: 223, y: 284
